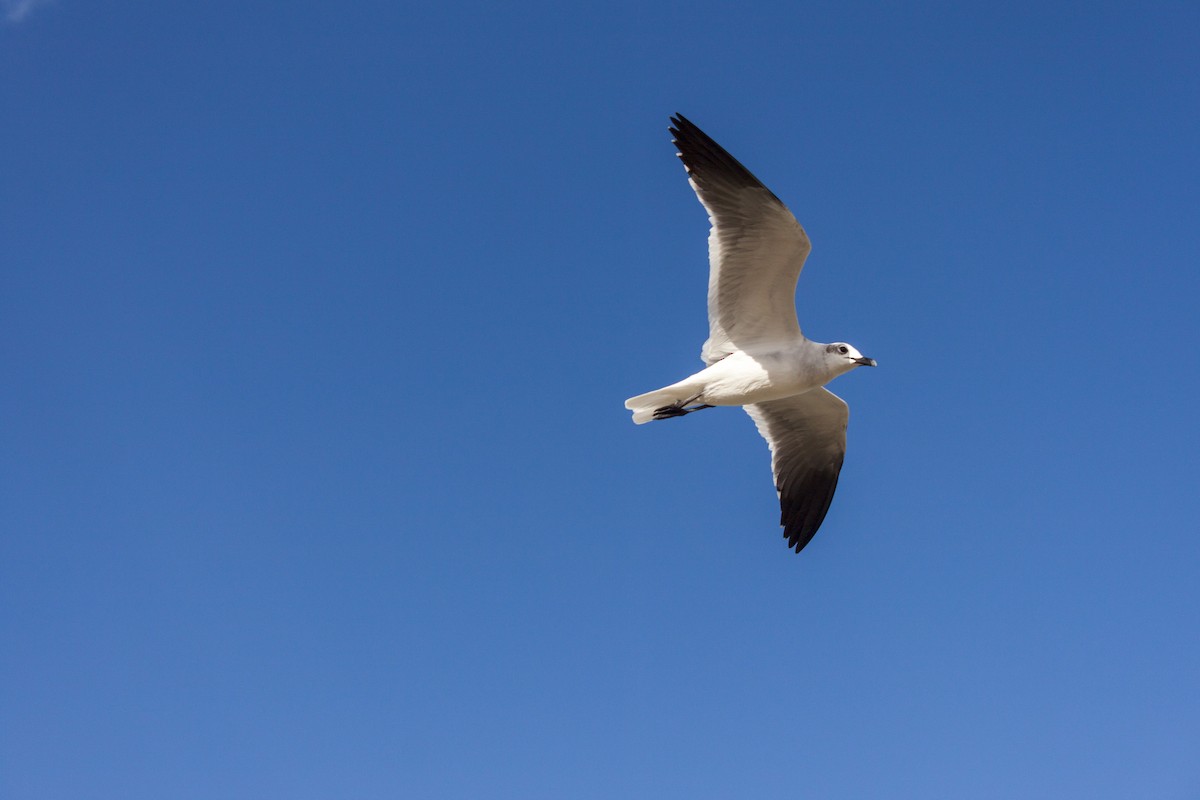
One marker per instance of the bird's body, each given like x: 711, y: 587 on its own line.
x: 741, y: 378
x: 756, y: 354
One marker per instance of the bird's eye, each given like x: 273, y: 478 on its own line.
x: 843, y: 350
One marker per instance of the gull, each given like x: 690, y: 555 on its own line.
x: 755, y: 356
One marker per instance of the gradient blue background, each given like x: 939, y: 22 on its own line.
x: 317, y: 318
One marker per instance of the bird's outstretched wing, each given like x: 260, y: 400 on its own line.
x: 756, y: 248
x: 807, y: 435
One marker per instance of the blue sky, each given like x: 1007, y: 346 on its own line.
x: 316, y: 321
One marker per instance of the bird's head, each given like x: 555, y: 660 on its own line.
x: 843, y: 357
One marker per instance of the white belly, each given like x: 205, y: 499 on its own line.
x: 740, y: 379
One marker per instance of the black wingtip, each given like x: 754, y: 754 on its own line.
x: 706, y: 161
x: 801, y: 523
x: 683, y: 128
x: 679, y: 123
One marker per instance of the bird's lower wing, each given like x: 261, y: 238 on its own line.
x: 807, y: 436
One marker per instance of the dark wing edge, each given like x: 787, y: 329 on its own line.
x: 807, y: 436
x: 709, y: 164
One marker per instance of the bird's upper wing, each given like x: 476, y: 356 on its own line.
x: 756, y: 248
x: 807, y: 435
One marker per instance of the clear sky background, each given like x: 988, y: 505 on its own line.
x: 316, y: 321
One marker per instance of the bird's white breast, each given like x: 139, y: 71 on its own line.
x: 741, y: 378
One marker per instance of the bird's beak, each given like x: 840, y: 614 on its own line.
x: 865, y: 362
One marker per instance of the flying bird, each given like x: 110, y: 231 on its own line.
x: 756, y: 356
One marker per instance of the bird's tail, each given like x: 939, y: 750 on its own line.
x: 644, y: 405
